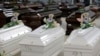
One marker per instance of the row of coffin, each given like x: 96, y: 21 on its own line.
x: 49, y: 42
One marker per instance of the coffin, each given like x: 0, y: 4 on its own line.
x: 8, y: 12
x: 43, y: 42
x: 10, y: 37
x: 83, y: 42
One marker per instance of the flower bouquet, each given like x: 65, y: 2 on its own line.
x: 50, y: 22
x: 85, y: 21
x: 14, y: 21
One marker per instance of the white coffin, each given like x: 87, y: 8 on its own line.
x: 43, y: 42
x: 10, y: 37
x: 83, y: 43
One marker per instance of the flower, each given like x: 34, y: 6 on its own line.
x: 50, y: 22
x: 85, y: 21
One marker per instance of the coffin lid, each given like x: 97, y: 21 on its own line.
x: 42, y: 37
x: 12, y: 32
x: 84, y: 37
